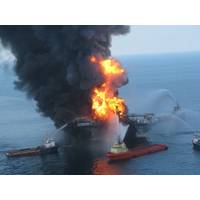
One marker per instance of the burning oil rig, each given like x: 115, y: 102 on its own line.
x: 84, y: 130
x: 106, y: 104
x: 70, y: 73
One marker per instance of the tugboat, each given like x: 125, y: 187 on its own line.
x: 48, y: 147
x: 196, y: 142
x: 121, y: 152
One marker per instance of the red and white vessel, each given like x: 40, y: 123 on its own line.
x: 121, y: 152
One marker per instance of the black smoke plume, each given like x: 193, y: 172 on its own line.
x: 53, y: 67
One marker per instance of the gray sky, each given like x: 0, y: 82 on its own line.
x: 157, y: 39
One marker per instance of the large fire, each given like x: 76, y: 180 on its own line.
x: 105, y: 101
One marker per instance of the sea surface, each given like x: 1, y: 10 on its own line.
x: 156, y: 84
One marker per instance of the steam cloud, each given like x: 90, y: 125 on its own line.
x: 53, y: 67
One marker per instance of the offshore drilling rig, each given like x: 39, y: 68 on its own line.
x: 83, y: 130
x: 86, y: 129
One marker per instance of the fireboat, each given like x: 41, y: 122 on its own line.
x: 49, y: 147
x: 196, y: 142
x: 121, y: 152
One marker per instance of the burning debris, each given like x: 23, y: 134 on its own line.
x: 68, y: 69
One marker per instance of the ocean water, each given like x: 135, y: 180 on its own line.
x: 156, y: 83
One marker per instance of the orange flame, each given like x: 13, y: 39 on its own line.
x: 111, y: 67
x: 93, y: 59
x: 105, y: 102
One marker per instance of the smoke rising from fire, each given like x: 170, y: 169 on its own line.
x: 54, y: 68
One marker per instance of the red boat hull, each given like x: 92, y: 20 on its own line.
x: 136, y: 152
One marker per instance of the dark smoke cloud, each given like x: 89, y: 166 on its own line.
x: 53, y: 68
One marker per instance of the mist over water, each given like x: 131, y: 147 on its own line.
x: 163, y: 104
x: 118, y: 129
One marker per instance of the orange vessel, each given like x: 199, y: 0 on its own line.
x: 136, y: 152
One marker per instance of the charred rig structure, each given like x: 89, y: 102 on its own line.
x: 83, y: 129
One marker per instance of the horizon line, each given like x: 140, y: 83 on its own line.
x: 159, y: 53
